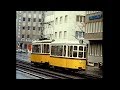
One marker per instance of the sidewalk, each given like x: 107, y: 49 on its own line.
x: 93, y: 71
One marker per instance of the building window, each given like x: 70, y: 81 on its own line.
x: 60, y: 20
x: 39, y: 20
x: 65, y: 34
x: 22, y: 36
x: 80, y: 18
x: 91, y: 27
x: 78, y: 34
x: 56, y: 21
x: 101, y: 49
x: 66, y: 18
x: 60, y: 34
x: 28, y: 27
x: 77, y: 18
x: 23, y: 19
x: 83, y: 18
x: 28, y: 19
x: 23, y: 27
x: 28, y: 36
x: 33, y: 28
x: 96, y: 27
x: 34, y: 20
x: 90, y: 49
x: 29, y: 11
x: 95, y: 49
x: 55, y: 34
x: 99, y: 27
x: 39, y: 28
x: 86, y: 28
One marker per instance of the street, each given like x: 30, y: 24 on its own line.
x: 25, y: 57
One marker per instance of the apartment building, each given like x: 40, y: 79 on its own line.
x: 30, y: 28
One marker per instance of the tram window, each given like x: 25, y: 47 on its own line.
x: 64, y: 50
x: 74, y: 54
x: 68, y: 51
x: 42, y: 48
x: 45, y: 48
x: 39, y: 48
x: 75, y: 47
x: 80, y: 54
x: 56, y: 50
x: 35, y: 49
x: 59, y: 49
x: 71, y: 49
x: 52, y: 50
x: 84, y: 48
x: 84, y: 54
x: 81, y: 48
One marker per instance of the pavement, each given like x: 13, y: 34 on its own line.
x: 21, y: 75
x: 93, y: 71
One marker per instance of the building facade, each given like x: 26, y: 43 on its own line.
x: 94, y: 33
x: 18, y: 26
x: 30, y: 28
x: 64, y: 25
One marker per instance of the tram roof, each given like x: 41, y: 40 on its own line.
x: 66, y: 42
x: 42, y: 41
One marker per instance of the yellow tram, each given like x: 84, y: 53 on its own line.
x: 66, y: 55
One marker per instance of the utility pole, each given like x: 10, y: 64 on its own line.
x: 42, y: 25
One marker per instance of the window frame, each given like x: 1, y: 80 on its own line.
x: 68, y: 55
x: 66, y: 18
x: 41, y: 49
x: 23, y: 18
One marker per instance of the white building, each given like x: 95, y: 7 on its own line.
x: 64, y: 25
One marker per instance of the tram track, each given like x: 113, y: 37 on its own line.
x: 54, y: 75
